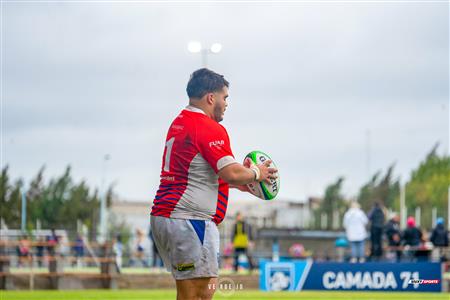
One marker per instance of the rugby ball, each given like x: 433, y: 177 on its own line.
x: 263, y: 189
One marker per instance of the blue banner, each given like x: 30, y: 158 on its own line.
x: 306, y: 275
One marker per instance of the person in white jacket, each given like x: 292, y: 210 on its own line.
x: 355, y: 221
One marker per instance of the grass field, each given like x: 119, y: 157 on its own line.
x: 245, y: 295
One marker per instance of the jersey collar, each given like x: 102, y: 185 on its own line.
x: 195, y: 109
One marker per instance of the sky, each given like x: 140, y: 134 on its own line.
x: 326, y: 89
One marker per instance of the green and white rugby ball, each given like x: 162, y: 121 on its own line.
x: 263, y: 190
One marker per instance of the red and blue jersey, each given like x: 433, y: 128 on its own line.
x: 197, y: 147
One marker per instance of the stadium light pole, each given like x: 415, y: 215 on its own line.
x: 196, y: 47
x: 103, y: 216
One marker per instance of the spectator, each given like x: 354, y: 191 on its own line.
x: 297, y: 250
x: 64, y: 246
x: 52, y: 243
x: 139, y: 253
x: 40, y: 250
x: 23, y: 250
x: 341, y: 245
x: 156, y: 259
x: 423, y: 252
x: 241, y: 237
x: 393, y: 235
x: 227, y: 257
x: 376, y: 217
x: 412, y: 237
x: 118, y: 252
x: 78, y: 250
x: 355, y: 221
x: 439, y: 238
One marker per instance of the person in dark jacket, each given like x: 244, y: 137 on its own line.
x: 393, y: 234
x: 412, y: 237
x: 376, y: 217
x: 439, y: 238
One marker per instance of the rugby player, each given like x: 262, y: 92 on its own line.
x: 197, y: 170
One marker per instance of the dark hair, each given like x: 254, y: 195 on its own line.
x: 205, y: 81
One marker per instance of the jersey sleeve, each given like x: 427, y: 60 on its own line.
x: 214, y: 146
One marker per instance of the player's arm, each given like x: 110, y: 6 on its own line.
x: 238, y: 175
x: 242, y: 188
x: 221, y: 159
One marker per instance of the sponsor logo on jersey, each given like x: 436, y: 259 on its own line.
x: 216, y: 143
x: 178, y: 127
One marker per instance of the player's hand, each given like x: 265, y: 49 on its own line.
x: 267, y: 173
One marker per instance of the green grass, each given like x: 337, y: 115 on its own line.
x: 245, y: 295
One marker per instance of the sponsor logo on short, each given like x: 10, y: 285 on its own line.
x: 424, y: 281
x: 216, y: 143
x: 185, y: 267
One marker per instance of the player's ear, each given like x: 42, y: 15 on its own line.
x: 210, y: 98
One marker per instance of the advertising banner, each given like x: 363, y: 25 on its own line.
x: 376, y: 276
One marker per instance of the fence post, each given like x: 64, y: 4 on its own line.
x: 418, y: 215
x: 6, y: 282
x: 108, y: 267
x: 403, y: 210
x: 335, y: 220
x: 433, y: 216
x: 323, y: 221
x: 55, y: 269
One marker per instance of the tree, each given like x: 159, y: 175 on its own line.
x: 428, y: 186
x: 10, y: 200
x: 332, y: 202
x: 60, y: 203
x: 384, y: 190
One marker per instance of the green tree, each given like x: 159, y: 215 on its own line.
x: 10, y: 200
x: 384, y: 190
x: 60, y: 203
x: 35, y: 199
x: 332, y: 202
x: 428, y: 186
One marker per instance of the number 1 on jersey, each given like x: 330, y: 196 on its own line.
x: 169, y: 145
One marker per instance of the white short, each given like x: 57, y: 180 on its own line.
x: 189, y: 248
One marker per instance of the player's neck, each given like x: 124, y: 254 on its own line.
x: 202, y: 107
